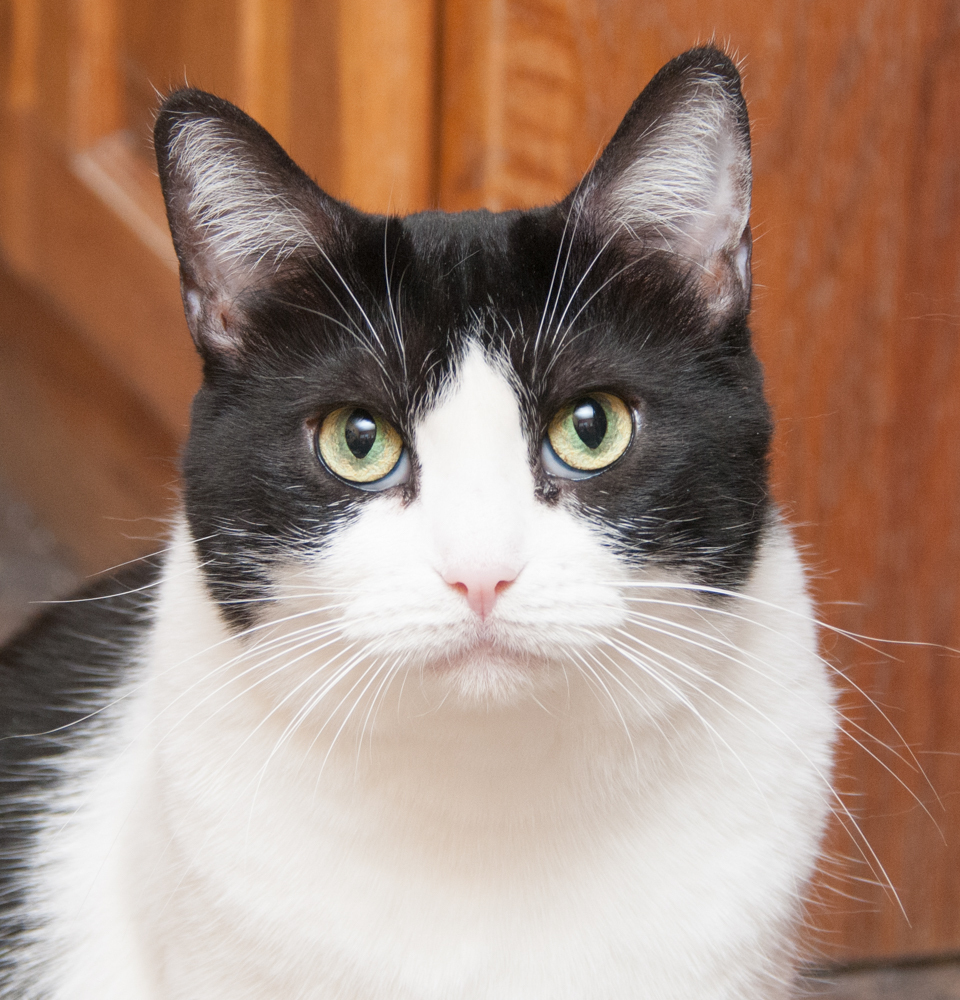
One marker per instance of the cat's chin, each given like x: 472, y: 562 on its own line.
x: 486, y: 672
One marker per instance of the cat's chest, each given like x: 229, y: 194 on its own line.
x: 349, y: 902
x: 425, y: 851
x: 335, y: 891
x: 358, y: 882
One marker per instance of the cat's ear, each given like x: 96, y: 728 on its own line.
x: 676, y: 177
x: 241, y: 212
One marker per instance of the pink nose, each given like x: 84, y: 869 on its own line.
x: 481, y: 587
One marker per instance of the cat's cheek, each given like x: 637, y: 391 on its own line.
x: 380, y: 577
x: 374, y: 575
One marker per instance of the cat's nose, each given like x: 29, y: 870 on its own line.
x: 481, y: 587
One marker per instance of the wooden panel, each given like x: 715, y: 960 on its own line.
x: 387, y: 56
x: 98, y: 469
x: 512, y: 113
x: 51, y: 59
x: 370, y: 136
x: 18, y: 47
x: 314, y: 141
x: 178, y: 43
x: 265, y: 50
x: 106, y: 259
x: 61, y: 235
x: 95, y: 94
x: 119, y: 293
x: 857, y: 269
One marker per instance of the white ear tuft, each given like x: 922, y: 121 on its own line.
x: 691, y: 181
x: 242, y: 214
x: 676, y: 176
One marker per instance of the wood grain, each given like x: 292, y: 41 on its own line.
x: 265, y: 39
x: 315, y: 140
x: 512, y: 102
x: 387, y: 56
x: 21, y: 27
x: 59, y: 236
x: 116, y: 170
x: 95, y: 73
x: 198, y: 43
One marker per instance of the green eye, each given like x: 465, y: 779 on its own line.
x: 591, y: 433
x: 358, y: 445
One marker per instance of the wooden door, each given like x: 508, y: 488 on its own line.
x: 505, y: 102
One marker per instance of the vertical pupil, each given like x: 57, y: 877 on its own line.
x: 360, y: 432
x: 590, y: 422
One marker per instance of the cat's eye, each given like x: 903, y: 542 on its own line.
x: 362, y: 448
x: 587, y: 435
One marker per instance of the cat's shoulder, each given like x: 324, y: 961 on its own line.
x: 59, y: 678
x: 54, y: 667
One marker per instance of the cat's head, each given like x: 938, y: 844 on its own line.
x: 462, y: 438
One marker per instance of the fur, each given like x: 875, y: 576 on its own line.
x: 303, y: 758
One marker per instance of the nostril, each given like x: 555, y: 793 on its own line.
x: 481, y: 587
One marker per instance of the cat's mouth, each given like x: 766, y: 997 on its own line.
x: 485, y: 651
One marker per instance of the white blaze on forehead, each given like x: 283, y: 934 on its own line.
x: 476, y: 484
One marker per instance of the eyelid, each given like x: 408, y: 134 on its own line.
x: 555, y: 466
x: 399, y: 474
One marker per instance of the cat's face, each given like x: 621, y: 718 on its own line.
x: 463, y: 439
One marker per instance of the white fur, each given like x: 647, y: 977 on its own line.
x: 243, y: 215
x: 689, y: 182
x: 507, y: 811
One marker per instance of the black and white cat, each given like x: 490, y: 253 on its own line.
x: 479, y: 664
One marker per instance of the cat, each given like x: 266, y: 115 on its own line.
x: 480, y: 663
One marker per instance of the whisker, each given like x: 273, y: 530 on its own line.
x: 725, y: 612
x: 860, y: 840
x: 757, y: 668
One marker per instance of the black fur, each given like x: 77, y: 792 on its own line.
x: 56, y: 677
x: 690, y: 493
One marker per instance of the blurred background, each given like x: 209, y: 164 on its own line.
x: 408, y: 104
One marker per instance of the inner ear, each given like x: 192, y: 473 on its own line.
x: 242, y: 214
x: 212, y: 317
x: 676, y: 178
